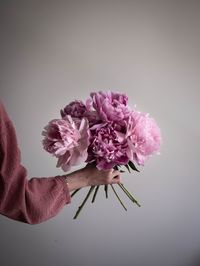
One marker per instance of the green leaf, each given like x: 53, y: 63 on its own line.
x: 131, y: 164
x: 127, y: 167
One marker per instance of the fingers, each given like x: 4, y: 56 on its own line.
x: 116, y: 180
x: 115, y: 173
x: 103, y: 177
x: 114, y: 177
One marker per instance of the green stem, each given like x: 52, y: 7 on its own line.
x: 95, y: 194
x: 75, y: 192
x: 85, y: 200
x: 129, y: 195
x: 118, y: 197
x: 106, y: 190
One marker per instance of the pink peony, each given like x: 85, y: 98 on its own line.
x: 75, y: 109
x: 68, y: 140
x: 107, y: 147
x: 143, y: 135
x: 109, y: 106
x: 78, y: 109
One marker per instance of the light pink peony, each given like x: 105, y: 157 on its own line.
x: 109, y: 106
x: 68, y: 140
x: 107, y: 147
x: 143, y: 135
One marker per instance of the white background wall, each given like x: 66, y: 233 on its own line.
x: 55, y: 51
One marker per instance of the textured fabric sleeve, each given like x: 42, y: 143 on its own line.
x: 31, y: 201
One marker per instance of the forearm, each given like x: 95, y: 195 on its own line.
x: 34, y: 201
x: 31, y: 201
x: 77, y: 179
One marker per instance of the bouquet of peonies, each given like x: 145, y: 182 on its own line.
x: 104, y: 130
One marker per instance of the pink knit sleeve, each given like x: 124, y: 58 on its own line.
x: 31, y: 201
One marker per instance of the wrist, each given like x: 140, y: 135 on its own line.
x: 77, y: 179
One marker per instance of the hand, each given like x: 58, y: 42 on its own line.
x: 91, y: 176
x: 97, y: 177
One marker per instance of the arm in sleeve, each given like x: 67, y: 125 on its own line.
x: 31, y: 201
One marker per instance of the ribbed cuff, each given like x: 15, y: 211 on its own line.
x: 66, y: 192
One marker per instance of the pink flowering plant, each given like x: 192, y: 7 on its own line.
x: 105, y: 131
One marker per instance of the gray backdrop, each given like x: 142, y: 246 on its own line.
x: 53, y: 52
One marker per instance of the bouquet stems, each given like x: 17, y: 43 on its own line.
x: 85, y: 200
x: 75, y: 191
x: 118, y: 197
x: 106, y: 190
x: 129, y: 195
x: 95, y: 194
